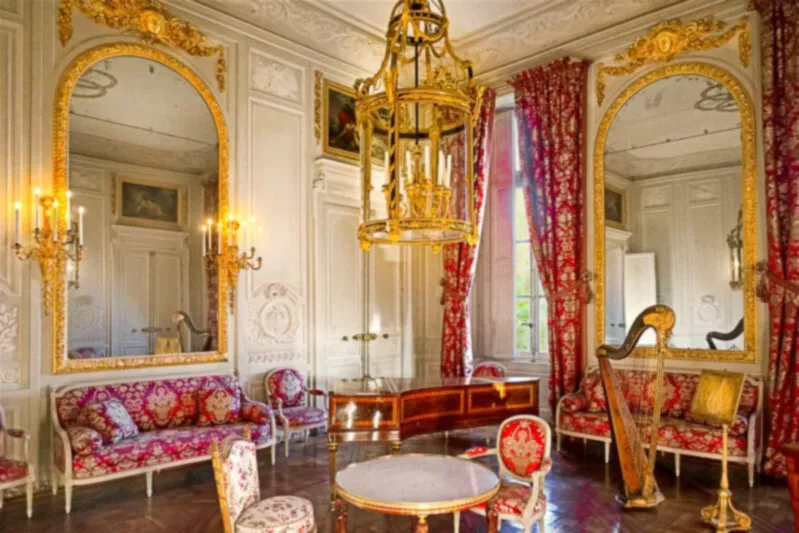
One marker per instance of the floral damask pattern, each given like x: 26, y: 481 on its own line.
x: 571, y: 403
x: 111, y: 420
x: 84, y: 440
x: 512, y: 498
x: 594, y: 392
x: 303, y: 416
x: 550, y: 112
x: 280, y: 514
x: 11, y: 469
x: 256, y: 412
x: 286, y: 385
x: 218, y: 405
x: 160, y: 446
x: 240, y: 471
x: 460, y: 260
x: 780, y: 71
x: 489, y: 370
x: 522, y: 446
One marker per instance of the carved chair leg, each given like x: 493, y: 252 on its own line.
x: 67, y: 496
x: 542, y: 526
x: 272, y: 449
x: 607, y: 452
x: 29, y: 497
x: 286, y: 440
x: 456, y: 525
x: 149, y: 478
x: 332, y: 448
x: 751, y: 472
x: 677, y: 464
x: 559, y: 438
x: 1, y: 498
x: 53, y: 480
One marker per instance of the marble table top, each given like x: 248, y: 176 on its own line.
x: 416, y: 484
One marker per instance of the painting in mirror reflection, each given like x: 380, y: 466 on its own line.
x: 143, y: 162
x: 673, y: 162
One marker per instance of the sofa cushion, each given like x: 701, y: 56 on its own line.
x: 151, y: 404
x: 678, y: 394
x: 111, y: 420
x: 160, y: 446
x: 84, y: 440
x: 218, y: 404
x: 571, y: 403
x: 256, y: 412
x: 594, y: 392
x: 596, y: 424
x: 512, y: 498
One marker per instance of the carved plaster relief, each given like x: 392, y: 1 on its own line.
x: 86, y: 320
x: 275, y: 358
x: 275, y: 78
x: 90, y: 179
x: 9, y: 329
x: 274, y: 316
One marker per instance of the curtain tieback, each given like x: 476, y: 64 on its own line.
x: 581, y: 286
x: 767, y: 277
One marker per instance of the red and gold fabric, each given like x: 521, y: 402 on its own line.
x: 780, y: 72
x: 287, y: 386
x: 521, y: 446
x: 218, y: 404
x: 256, y: 412
x: 11, y: 470
x: 512, y: 498
x: 489, y: 370
x: 460, y: 260
x: 84, y: 440
x: 550, y: 113
x: 240, y: 470
x: 304, y: 416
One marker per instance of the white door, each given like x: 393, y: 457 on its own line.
x: 385, y: 310
x: 132, y: 290
x: 615, y: 325
x: 640, y: 289
x: 169, y: 273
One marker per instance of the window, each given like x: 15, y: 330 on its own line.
x: 531, y: 336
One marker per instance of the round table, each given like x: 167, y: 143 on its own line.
x: 418, y: 485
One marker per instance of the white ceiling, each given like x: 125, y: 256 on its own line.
x: 131, y: 105
x: 491, y: 33
x: 676, y: 124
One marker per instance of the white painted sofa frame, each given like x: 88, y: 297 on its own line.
x: 60, y: 437
x: 754, y: 437
x: 28, y: 480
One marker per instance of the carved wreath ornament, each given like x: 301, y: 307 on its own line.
x: 148, y: 19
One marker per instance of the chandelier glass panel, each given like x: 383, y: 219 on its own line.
x: 421, y: 106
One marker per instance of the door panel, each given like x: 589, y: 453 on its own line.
x: 132, y: 288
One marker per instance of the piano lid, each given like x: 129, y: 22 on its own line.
x: 393, y: 386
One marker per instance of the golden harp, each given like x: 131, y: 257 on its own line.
x: 632, y: 434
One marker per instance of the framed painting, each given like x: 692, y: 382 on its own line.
x: 615, y: 207
x: 339, y: 126
x: 150, y: 204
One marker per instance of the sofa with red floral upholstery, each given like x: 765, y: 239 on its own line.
x: 104, y: 431
x: 584, y: 415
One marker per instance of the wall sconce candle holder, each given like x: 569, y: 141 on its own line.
x: 52, y: 247
x: 225, y: 256
x: 735, y: 244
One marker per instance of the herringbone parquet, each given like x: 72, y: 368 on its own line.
x: 581, y: 493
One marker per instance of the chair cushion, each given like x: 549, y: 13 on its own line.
x: 511, y: 498
x: 218, y: 404
x: 571, y: 403
x: 84, y: 440
x: 596, y: 424
x: 11, y: 470
x: 161, y: 446
x: 111, y: 420
x: 286, y: 385
x: 303, y: 416
x: 280, y: 514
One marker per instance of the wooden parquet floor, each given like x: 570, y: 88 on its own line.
x: 580, y: 491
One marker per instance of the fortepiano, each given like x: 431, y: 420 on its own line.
x: 394, y: 409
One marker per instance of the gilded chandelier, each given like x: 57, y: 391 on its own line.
x: 421, y: 108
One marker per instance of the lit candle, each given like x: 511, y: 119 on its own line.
x: 219, y: 237
x: 36, y: 193
x: 385, y: 164
x: 81, y: 211
x: 210, y: 224
x: 408, y: 164
x: 17, y: 207
x: 55, y: 221
x: 205, y: 240
x: 230, y: 230
x: 250, y: 236
x: 448, y: 179
x: 69, y: 209
x: 441, y: 162
x: 427, y: 161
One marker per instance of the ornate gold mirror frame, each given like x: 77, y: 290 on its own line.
x: 749, y: 158
x: 61, y: 363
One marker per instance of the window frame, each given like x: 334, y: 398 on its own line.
x: 536, y: 292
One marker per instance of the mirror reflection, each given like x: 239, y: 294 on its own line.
x: 673, y: 192
x: 143, y: 162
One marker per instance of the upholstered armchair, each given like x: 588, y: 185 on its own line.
x: 237, y: 484
x: 523, y: 454
x: 286, y: 392
x: 489, y: 369
x: 15, y: 473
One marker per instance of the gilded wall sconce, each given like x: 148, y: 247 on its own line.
x: 221, y: 252
x: 57, y: 247
x: 735, y: 244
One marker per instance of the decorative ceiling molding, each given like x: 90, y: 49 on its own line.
x: 637, y: 169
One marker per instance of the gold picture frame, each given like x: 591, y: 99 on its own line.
x: 749, y: 172
x: 61, y: 363
x: 615, y: 207
x: 170, y: 204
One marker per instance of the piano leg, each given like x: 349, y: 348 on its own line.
x: 341, y: 520
x: 421, y: 525
x: 332, y: 448
x: 396, y: 447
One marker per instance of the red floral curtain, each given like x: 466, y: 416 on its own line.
x: 460, y: 260
x: 211, y: 211
x: 550, y: 113
x: 780, y: 44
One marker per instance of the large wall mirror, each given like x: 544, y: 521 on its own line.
x: 674, y: 169
x: 141, y: 145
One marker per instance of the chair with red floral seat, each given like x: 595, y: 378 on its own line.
x: 523, y: 454
x: 286, y: 392
x: 489, y: 369
x: 238, y: 487
x: 15, y: 473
